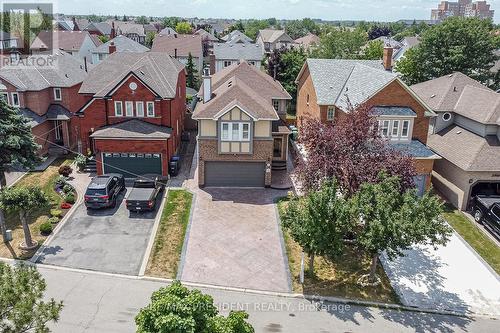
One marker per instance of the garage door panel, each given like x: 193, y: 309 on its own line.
x: 235, y: 174
x: 132, y: 164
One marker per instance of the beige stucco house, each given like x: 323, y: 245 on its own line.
x: 241, y: 134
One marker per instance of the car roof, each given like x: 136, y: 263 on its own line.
x: 100, y: 182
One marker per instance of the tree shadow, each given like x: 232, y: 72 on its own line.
x: 49, y: 251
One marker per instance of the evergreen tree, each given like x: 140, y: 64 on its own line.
x: 191, y: 73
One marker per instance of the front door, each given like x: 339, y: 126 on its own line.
x: 278, y: 148
x: 58, y: 131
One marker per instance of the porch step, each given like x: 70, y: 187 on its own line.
x: 279, y: 165
x: 91, y: 166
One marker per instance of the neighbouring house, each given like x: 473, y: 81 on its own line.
x: 271, y: 40
x: 308, y: 41
x: 48, y: 96
x: 77, y: 43
x: 131, y: 30
x: 10, y: 45
x: 168, y: 31
x: 406, y: 44
x: 235, y: 37
x: 180, y: 46
x: 99, y: 29
x: 227, y: 54
x: 466, y: 133
x: 150, y: 28
x: 134, y: 115
x: 326, y: 88
x: 241, y: 133
x: 117, y: 44
x: 205, y: 35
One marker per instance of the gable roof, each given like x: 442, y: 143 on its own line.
x: 252, y: 52
x: 156, y: 70
x: 237, y: 36
x: 103, y: 27
x: 461, y: 94
x: 467, y: 150
x: 184, y: 44
x: 126, y: 28
x: 123, y: 44
x: 133, y: 129
x: 60, y: 39
x: 66, y: 72
x: 206, y: 35
x: 308, y: 40
x: 272, y: 35
x: 244, y: 86
x: 337, y: 80
x: 167, y: 31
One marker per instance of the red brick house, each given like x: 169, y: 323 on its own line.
x: 327, y: 86
x: 135, y: 112
x: 48, y: 96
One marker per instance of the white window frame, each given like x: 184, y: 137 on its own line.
x: 395, y: 125
x: 407, y: 130
x: 118, y: 114
x: 226, y: 63
x: 384, y: 124
x: 227, y: 135
x: 129, y: 106
x: 56, y: 90
x: 152, y: 104
x: 330, y: 113
x: 18, y: 104
x: 139, y: 109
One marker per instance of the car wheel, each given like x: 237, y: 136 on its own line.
x: 478, y: 216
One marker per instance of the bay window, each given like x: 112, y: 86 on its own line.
x: 405, y: 129
x: 384, y: 127
x: 235, y: 131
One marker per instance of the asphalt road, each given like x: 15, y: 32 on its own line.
x: 95, y: 302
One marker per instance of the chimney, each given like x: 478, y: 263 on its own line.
x: 175, y: 53
x: 112, y: 47
x: 207, y: 85
x: 113, y: 31
x: 211, y: 58
x: 387, y: 60
x: 75, y: 25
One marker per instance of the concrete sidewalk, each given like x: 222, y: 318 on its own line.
x: 453, y: 277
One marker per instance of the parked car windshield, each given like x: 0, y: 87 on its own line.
x: 95, y: 192
x: 496, y: 211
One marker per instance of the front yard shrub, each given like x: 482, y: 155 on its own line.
x: 80, y: 161
x: 46, y: 228
x: 70, y: 198
x: 67, y: 188
x: 53, y: 220
x: 65, y: 170
x: 56, y: 213
x: 60, y: 182
x: 66, y: 205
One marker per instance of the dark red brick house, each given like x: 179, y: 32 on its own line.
x: 47, y: 94
x: 134, y: 116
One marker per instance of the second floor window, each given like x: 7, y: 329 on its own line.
x: 151, y: 109
x: 139, y: 109
x: 129, y: 109
x: 276, y: 105
x: 15, y: 99
x: 118, y: 109
x: 5, y: 97
x: 384, y: 127
x: 395, y: 129
x: 330, y: 113
x: 57, y: 94
x: 227, y: 63
x: 235, y: 132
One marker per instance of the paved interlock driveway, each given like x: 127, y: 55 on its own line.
x: 235, y: 240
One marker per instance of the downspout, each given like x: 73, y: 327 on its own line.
x: 106, y: 109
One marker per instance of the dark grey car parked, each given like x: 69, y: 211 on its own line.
x: 103, y: 191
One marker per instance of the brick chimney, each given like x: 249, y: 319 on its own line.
x: 387, y: 59
x: 75, y: 25
x: 113, y: 31
x: 112, y: 47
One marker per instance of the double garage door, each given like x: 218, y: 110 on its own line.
x: 235, y: 174
x: 131, y: 165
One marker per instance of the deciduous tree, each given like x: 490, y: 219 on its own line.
x: 150, y: 37
x: 393, y: 221
x: 183, y: 28
x: 21, y: 305
x: 374, y: 50
x: 340, y: 43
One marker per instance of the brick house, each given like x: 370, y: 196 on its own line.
x: 466, y: 133
x: 180, y: 46
x: 48, y: 97
x: 327, y: 86
x: 77, y: 43
x: 241, y: 135
x: 135, y: 112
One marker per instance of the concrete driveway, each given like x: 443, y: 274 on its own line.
x: 453, y: 277
x: 108, y: 240
x: 235, y: 240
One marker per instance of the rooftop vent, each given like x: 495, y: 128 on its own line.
x: 229, y: 84
x: 433, y: 95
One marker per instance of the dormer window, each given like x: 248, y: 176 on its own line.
x: 57, y: 94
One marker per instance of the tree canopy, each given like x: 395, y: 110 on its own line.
x: 300, y: 28
x: 340, y: 43
x: 142, y: 20
x: 252, y: 27
x: 22, y: 308
x: 183, y: 28
x: 458, y: 44
x: 150, y: 37
x: 178, y: 309
x: 171, y: 22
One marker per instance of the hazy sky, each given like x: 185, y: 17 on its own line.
x: 378, y: 10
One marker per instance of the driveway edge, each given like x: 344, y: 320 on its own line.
x: 283, y: 247
x: 186, y: 236
x: 152, y: 236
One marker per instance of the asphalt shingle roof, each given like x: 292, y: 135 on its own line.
x: 252, y: 52
x: 133, y: 129
x: 271, y: 35
x: 415, y: 149
x: 394, y: 111
x: 103, y: 27
x: 66, y: 71
x: 159, y: 71
x: 123, y: 44
x: 467, y: 150
x: 184, y: 44
x: 34, y: 118
x: 63, y: 40
x: 236, y: 36
x: 58, y: 112
x: 337, y: 81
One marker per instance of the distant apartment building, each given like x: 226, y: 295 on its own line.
x: 463, y: 8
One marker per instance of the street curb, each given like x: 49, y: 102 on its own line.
x: 152, y: 236
x: 182, y: 260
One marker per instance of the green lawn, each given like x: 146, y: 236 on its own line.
x: 166, y: 252
x: 336, y: 277
x: 480, y: 242
x: 45, y: 179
